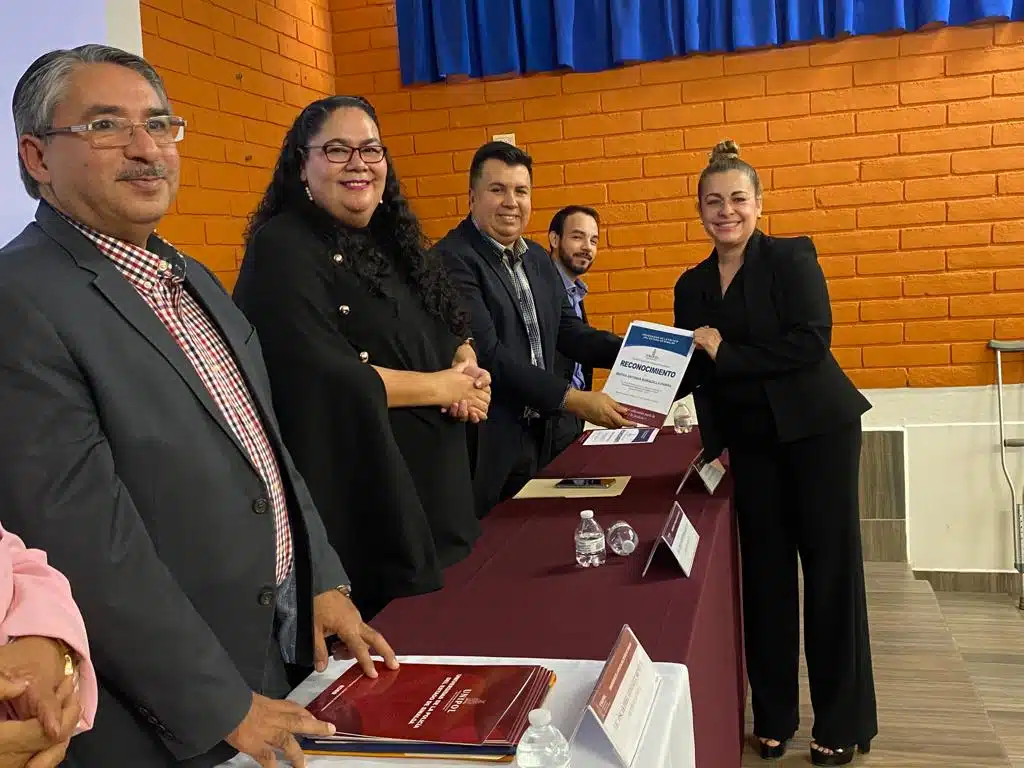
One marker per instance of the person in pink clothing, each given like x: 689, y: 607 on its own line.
x: 47, y: 681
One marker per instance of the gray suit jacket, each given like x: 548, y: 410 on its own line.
x: 116, y: 462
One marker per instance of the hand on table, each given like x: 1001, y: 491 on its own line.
x: 272, y: 725
x: 335, y: 614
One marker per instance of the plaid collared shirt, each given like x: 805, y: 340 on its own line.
x: 161, y: 284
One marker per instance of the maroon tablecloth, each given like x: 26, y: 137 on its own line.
x: 521, y: 594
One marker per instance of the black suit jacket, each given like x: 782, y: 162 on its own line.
x: 116, y: 462
x: 790, y: 320
x: 503, y: 347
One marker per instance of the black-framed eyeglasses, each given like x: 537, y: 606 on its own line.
x: 339, y: 153
x: 119, y: 131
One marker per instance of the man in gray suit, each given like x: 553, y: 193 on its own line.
x: 139, y: 447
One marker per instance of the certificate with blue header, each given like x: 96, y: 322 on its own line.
x: 649, y: 369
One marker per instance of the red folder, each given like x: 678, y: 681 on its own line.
x: 439, y: 710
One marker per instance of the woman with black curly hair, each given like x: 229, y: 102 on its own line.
x: 370, y: 361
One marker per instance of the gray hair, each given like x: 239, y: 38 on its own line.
x: 43, y: 85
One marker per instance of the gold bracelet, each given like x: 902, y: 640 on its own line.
x: 69, y: 661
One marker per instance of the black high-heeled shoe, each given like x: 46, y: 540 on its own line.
x: 837, y: 755
x: 771, y: 751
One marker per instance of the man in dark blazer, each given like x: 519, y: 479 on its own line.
x: 573, y: 237
x: 139, y: 447
x: 520, y: 316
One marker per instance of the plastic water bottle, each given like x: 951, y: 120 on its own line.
x: 590, y: 547
x: 682, y: 422
x: 621, y: 538
x: 542, y: 745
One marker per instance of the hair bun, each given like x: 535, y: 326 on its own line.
x: 725, y: 150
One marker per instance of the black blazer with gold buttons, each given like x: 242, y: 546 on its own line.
x: 790, y: 319
x: 392, y: 485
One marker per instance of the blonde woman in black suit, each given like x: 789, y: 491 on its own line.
x: 768, y: 390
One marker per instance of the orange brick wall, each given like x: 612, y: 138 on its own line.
x: 239, y: 71
x: 900, y: 155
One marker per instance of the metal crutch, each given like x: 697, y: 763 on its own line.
x: 1011, y: 442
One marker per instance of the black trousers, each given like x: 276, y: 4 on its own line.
x: 793, y: 499
x: 534, y: 452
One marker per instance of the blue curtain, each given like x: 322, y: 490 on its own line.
x: 441, y: 38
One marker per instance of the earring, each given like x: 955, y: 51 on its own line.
x: 309, y: 194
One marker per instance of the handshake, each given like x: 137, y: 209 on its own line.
x: 464, y: 393
x: 464, y: 390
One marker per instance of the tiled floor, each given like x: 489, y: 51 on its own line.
x: 989, y: 631
x: 930, y: 713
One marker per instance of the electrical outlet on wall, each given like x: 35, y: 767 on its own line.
x: 509, y: 138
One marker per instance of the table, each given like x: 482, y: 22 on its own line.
x: 669, y: 732
x: 520, y: 593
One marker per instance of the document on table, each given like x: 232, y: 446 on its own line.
x: 649, y: 369
x: 620, y: 436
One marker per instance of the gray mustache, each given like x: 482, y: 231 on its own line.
x: 147, y: 172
